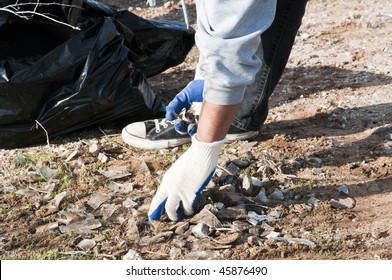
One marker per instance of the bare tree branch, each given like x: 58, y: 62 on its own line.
x: 15, y: 10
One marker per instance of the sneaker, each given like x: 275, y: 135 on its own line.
x: 160, y: 134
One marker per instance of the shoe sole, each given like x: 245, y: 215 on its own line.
x: 241, y: 136
x: 148, y: 144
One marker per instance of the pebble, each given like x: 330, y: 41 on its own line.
x: 247, y: 186
x: 102, y: 157
x: 201, y: 230
x: 313, y: 201
x: 181, y: 228
x: 277, y: 195
x: 206, y: 217
x: 256, y: 182
x: 132, y: 255
x: 343, y: 189
x: 241, y: 163
x: 343, y: 203
x: 97, y: 200
x: 228, y: 197
x: 262, y: 197
x: 86, y: 244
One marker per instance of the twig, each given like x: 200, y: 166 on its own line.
x: 46, y: 132
x: 14, y: 9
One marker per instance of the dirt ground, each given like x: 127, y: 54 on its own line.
x: 330, y: 125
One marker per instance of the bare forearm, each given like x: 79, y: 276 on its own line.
x: 215, y: 121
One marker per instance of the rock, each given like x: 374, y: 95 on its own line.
x: 121, y: 188
x: 233, y: 169
x: 130, y: 203
x: 228, y: 198
x: 47, y: 173
x: 47, y: 227
x: 314, y: 162
x: 207, y: 218
x: 257, y: 182
x: 247, y: 186
x: 175, y: 253
x: 82, y: 226
x: 277, y: 195
x: 102, y: 157
x: 132, y: 255
x: 241, y: 163
x: 343, y: 203
x: 271, y: 234
x: 201, y: 230
x: 94, y: 148
x: 160, y: 237
x: 132, y: 229
x: 255, y: 219
x: 343, y: 189
x: 97, y: 200
x: 231, y: 213
x: 86, y: 244
x: 117, y: 172
x: 181, y: 228
x: 229, y: 238
x: 313, y: 201
x: 262, y: 197
x: 54, y: 204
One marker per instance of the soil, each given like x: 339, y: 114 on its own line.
x: 330, y: 125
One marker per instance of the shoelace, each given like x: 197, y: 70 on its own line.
x: 164, y: 123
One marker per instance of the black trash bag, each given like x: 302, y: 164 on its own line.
x: 61, y: 79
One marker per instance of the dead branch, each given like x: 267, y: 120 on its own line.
x: 15, y: 10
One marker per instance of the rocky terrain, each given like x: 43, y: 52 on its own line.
x: 315, y: 184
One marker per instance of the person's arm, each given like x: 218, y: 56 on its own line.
x: 228, y: 36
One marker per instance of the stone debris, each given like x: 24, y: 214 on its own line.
x: 102, y: 157
x: 277, y: 195
x: 228, y: 196
x: 86, y: 244
x: 255, y: 218
x: 81, y: 226
x: 182, y: 227
x: 97, y: 200
x: 343, y: 189
x: 206, y: 217
x: 241, y: 163
x: 54, y: 205
x: 47, y: 227
x: 47, y: 173
x: 262, y: 197
x: 132, y: 255
x: 117, y: 172
x: 201, y: 230
x: 343, y: 203
x: 120, y: 188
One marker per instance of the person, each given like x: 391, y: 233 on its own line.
x: 244, y: 47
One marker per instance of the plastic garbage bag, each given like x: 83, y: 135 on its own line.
x: 63, y: 79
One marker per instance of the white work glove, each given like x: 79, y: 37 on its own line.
x: 184, y: 181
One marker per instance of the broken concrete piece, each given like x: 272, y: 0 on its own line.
x: 343, y: 203
x: 97, y: 200
x: 201, y: 230
x: 86, y: 244
x: 206, y: 217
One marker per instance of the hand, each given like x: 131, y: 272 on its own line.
x: 184, y: 181
x: 193, y: 92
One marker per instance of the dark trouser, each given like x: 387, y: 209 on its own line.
x: 276, y: 44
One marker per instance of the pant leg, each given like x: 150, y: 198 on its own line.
x: 276, y: 44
